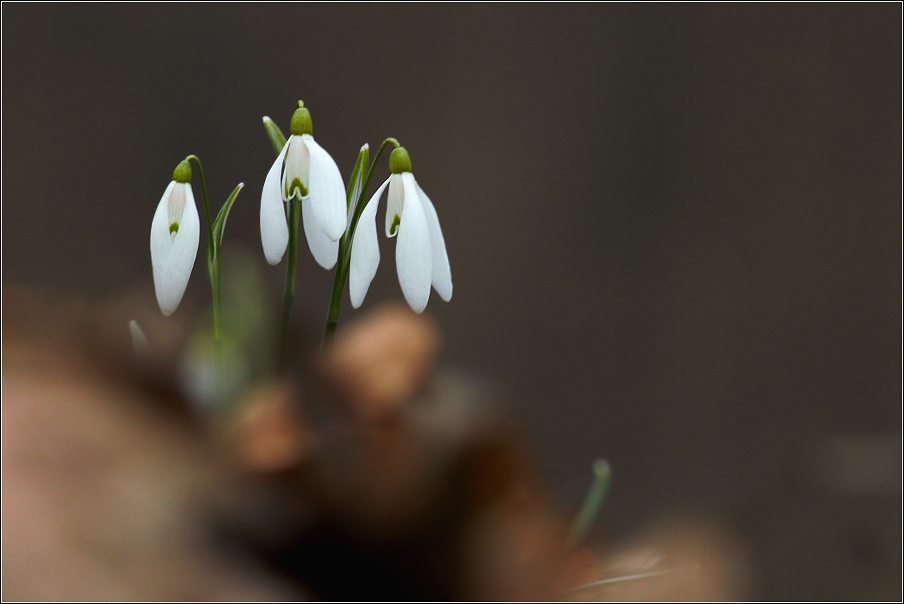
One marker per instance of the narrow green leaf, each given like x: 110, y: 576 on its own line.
x: 139, y: 340
x: 621, y: 579
x: 220, y: 223
x: 357, y: 179
x: 592, y: 503
x: 277, y: 138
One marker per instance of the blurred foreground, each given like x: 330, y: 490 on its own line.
x: 366, y: 474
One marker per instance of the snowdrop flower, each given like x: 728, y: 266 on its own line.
x: 303, y: 170
x: 421, y: 257
x: 175, y: 231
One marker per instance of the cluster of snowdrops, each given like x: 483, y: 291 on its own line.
x: 304, y: 187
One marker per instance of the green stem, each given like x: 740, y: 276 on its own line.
x: 291, y: 263
x: 213, y: 260
x: 197, y: 161
x: 332, y: 315
x: 345, y: 249
x: 213, y: 273
x: 359, y: 207
x: 217, y: 296
x: 219, y: 359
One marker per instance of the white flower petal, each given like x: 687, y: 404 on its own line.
x: 413, y: 257
x: 297, y: 166
x: 395, y: 204
x: 274, y: 225
x: 442, y: 274
x: 326, y: 190
x: 161, y: 241
x: 173, y: 254
x: 365, y: 250
x: 175, y: 203
x: 324, y: 249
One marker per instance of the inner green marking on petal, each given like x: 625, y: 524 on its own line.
x: 174, y: 228
x: 296, y: 185
x: 396, y: 220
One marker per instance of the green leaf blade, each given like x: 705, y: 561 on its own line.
x: 277, y: 138
x: 219, y: 225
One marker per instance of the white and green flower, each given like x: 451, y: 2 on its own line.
x: 303, y: 170
x: 421, y: 257
x: 175, y: 232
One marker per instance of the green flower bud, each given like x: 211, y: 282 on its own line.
x: 399, y: 162
x: 301, y: 121
x: 182, y: 173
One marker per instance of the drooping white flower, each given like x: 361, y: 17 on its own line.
x: 305, y: 171
x: 421, y: 257
x: 175, y: 232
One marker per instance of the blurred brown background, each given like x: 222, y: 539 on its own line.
x: 674, y: 230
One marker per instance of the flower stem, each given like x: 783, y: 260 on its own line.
x: 345, y: 248
x: 217, y: 296
x: 291, y: 263
x: 213, y: 273
x: 332, y: 315
x: 213, y: 256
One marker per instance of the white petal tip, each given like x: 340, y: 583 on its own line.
x: 326, y: 264
x: 336, y: 234
x: 167, y: 307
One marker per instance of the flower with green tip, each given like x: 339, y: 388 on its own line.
x: 175, y: 232
x: 305, y: 171
x: 421, y: 257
